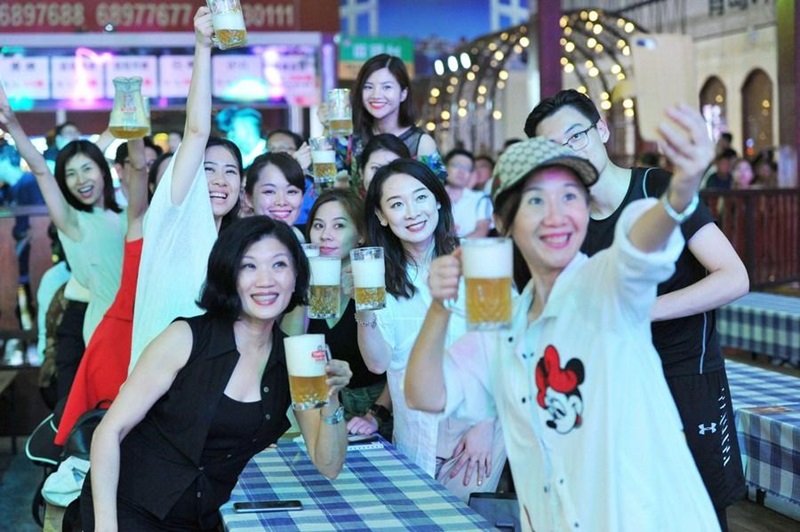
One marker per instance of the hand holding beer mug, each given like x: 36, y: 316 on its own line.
x: 323, y: 163
x: 323, y: 296
x: 340, y: 113
x: 306, y: 358
x: 487, y: 264
x: 369, y: 278
x: 228, y: 21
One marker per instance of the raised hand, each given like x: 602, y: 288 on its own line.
x: 339, y: 375
x: 203, y: 29
x: 445, y: 273
x: 685, y: 142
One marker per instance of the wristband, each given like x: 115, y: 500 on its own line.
x: 365, y: 323
x: 336, y: 417
x: 680, y: 217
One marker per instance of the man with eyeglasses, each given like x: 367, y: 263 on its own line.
x: 708, y: 274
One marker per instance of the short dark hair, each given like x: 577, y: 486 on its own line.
x: 219, y: 296
x: 727, y: 153
x: 233, y: 149
x: 90, y: 150
x: 352, y: 203
x: 565, y: 98
x: 297, y: 139
x: 122, y: 150
x: 384, y: 141
x: 458, y: 151
x: 398, y: 282
x: 485, y: 158
x: 362, y: 120
x: 284, y: 162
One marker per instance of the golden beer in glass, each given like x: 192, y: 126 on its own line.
x: 324, y: 287
x: 340, y: 114
x: 487, y: 264
x: 306, y: 358
x: 323, y: 162
x: 228, y: 22
x: 369, y: 278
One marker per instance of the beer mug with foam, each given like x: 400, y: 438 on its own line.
x: 306, y: 357
x: 487, y: 264
x: 324, y: 287
x: 228, y: 22
x: 310, y: 250
x: 340, y: 114
x: 369, y: 278
x: 323, y: 162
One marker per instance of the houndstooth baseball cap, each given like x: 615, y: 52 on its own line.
x: 520, y: 160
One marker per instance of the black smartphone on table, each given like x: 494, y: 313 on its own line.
x: 266, y: 506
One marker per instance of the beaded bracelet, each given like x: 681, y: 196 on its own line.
x: 364, y: 323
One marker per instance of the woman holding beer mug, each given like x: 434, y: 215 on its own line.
x: 274, y: 187
x: 198, y: 194
x: 209, y: 393
x: 410, y: 218
x: 336, y: 225
x: 577, y: 382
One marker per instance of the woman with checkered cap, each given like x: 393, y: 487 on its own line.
x: 592, y: 433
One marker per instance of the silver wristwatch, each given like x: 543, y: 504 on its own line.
x: 680, y: 217
x: 335, y: 418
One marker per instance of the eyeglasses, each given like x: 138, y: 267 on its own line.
x: 579, y: 140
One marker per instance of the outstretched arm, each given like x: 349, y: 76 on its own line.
x: 690, y: 156
x: 198, y: 111
x: 424, y: 386
x: 137, y: 188
x: 60, y: 212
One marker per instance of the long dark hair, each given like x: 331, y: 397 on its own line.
x: 233, y: 149
x: 362, y: 120
x: 284, y: 162
x: 398, y: 282
x: 90, y: 150
x: 383, y: 141
x: 219, y: 296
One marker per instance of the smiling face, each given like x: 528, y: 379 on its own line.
x: 382, y: 94
x: 266, y: 280
x: 275, y: 197
x: 377, y: 159
x: 409, y: 209
x: 85, y: 180
x: 224, y: 180
x: 334, y: 231
x: 552, y: 219
x: 567, y: 122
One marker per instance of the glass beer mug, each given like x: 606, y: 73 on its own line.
x: 128, y: 117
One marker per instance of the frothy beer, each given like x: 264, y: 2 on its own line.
x: 488, y: 267
x: 369, y: 279
x: 229, y: 29
x: 306, y: 357
x: 323, y: 290
x: 340, y: 127
x: 323, y: 164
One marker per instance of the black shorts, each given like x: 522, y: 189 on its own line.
x: 704, y: 404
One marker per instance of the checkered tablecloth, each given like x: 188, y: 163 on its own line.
x: 378, y: 489
x: 767, y: 407
x: 768, y: 324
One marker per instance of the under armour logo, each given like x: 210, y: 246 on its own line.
x: 702, y: 429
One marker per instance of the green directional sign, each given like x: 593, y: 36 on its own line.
x: 354, y: 52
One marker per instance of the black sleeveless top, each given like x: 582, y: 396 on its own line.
x: 342, y: 340
x: 689, y: 345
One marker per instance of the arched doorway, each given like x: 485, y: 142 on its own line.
x: 757, y: 112
x: 713, y: 105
